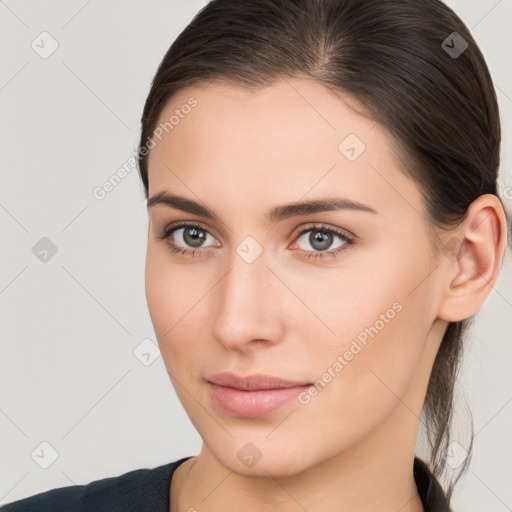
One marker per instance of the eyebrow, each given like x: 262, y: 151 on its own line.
x: 275, y: 214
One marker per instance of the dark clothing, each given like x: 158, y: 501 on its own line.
x: 147, y: 490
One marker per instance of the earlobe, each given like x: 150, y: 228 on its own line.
x: 472, y: 269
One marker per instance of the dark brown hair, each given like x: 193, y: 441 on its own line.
x: 397, y: 58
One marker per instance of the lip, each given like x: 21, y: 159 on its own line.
x: 254, y: 395
x: 253, y: 382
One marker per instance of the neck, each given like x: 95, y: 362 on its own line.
x: 374, y: 475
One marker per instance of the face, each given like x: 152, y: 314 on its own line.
x: 343, y: 299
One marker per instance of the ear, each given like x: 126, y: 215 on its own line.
x: 471, y: 258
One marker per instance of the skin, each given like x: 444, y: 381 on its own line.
x: 352, y: 446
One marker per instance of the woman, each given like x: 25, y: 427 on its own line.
x: 324, y: 223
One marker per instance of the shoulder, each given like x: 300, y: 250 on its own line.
x: 137, y: 490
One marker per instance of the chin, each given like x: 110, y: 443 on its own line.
x: 261, y: 459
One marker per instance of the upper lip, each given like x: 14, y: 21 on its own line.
x: 253, y: 382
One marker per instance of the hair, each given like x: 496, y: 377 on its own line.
x: 391, y: 55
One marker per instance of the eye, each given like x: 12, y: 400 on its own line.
x: 188, y: 239
x: 181, y: 237
x: 321, y: 238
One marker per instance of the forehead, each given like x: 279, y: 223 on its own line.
x: 283, y: 115
x: 277, y: 143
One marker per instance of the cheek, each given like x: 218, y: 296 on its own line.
x: 176, y: 295
x: 376, y: 376
x: 381, y: 321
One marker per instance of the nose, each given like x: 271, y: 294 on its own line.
x: 248, y: 304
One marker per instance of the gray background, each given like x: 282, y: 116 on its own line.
x: 70, y: 325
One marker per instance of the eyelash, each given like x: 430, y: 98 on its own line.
x: 348, y: 241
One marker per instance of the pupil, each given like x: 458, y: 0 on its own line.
x: 194, y: 237
x: 322, y: 237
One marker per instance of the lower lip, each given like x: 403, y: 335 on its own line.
x: 252, y: 404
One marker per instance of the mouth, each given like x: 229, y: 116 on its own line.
x: 253, y: 395
x: 254, y: 382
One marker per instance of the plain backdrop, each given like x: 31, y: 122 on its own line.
x: 77, y: 396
